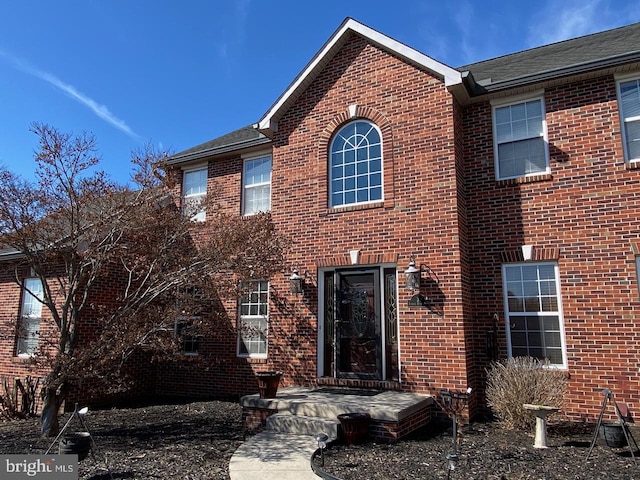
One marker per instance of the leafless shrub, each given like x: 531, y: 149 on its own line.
x: 19, y: 398
x: 522, y: 380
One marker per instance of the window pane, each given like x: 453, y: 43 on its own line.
x: 532, y: 287
x: 253, y: 323
x: 195, y: 182
x: 630, y: 99
x: 521, y: 147
x: 355, y: 155
x: 362, y: 196
x: 633, y: 138
x: 257, y: 185
x: 29, y: 322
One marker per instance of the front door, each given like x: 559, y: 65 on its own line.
x: 358, y: 340
x: 359, y: 324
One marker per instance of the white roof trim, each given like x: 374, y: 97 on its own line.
x: 451, y: 76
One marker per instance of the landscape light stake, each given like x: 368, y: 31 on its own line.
x: 453, y: 403
x: 322, y: 444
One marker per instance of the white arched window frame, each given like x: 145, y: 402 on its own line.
x: 355, y: 165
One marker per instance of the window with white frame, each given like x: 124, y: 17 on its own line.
x: 254, y: 320
x: 30, y: 313
x: 194, y: 190
x: 533, y: 311
x: 187, y: 335
x: 629, y: 104
x: 355, y: 165
x: 520, y: 139
x: 256, y: 188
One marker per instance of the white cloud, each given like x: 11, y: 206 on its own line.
x: 559, y: 21
x: 100, y: 110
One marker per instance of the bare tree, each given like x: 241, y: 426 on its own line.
x: 75, y: 229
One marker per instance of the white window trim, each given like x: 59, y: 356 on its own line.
x: 620, y: 79
x: 514, y: 100
x: 563, y: 340
x: 247, y: 158
x: 241, y: 320
x: 329, y: 177
x: 28, y: 317
x: 200, y: 216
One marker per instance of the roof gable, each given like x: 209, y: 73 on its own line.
x: 269, y: 122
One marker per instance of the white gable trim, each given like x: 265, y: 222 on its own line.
x: 269, y: 122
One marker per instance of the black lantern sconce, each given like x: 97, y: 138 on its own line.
x: 413, y: 275
x: 296, y: 282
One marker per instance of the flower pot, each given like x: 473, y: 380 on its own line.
x: 614, y: 435
x: 268, y: 383
x: 78, y: 443
x: 355, y: 427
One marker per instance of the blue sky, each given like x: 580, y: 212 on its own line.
x: 179, y: 73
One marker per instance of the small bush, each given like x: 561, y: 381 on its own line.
x: 520, y: 380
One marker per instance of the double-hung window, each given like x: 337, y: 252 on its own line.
x: 533, y: 311
x: 629, y: 104
x: 187, y: 335
x: 355, y: 165
x: 520, y: 139
x: 194, y: 190
x: 31, y: 311
x: 256, y: 188
x: 254, y: 320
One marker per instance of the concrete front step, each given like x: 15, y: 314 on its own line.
x: 328, y: 403
x: 303, y: 425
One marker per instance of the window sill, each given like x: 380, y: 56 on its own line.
x: 257, y: 360
x: 522, y: 180
x: 353, y: 208
x: 23, y: 359
x: 633, y: 165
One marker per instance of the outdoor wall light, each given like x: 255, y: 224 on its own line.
x: 296, y: 282
x: 413, y: 274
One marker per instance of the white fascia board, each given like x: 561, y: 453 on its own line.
x: 451, y: 76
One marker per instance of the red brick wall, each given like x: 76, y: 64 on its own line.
x: 586, y: 209
x: 420, y: 213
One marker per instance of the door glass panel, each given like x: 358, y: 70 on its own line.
x: 359, y: 325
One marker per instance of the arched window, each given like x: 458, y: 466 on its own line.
x: 355, y: 165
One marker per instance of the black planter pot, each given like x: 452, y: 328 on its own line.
x: 78, y: 443
x: 614, y: 435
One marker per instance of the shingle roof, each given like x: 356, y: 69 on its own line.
x: 598, y: 50
x: 244, y: 137
x: 588, y: 53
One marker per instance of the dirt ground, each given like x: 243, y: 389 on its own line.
x: 194, y: 441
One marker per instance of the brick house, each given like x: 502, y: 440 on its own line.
x: 511, y: 185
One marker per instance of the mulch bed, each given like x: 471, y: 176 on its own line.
x: 486, y: 452
x: 191, y: 441
x: 195, y: 441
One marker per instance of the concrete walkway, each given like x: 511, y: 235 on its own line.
x: 274, y: 456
